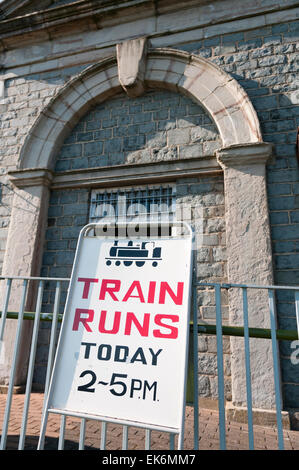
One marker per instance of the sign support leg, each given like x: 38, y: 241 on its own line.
x: 41, y: 441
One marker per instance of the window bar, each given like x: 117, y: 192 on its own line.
x: 105, y: 202
x: 62, y: 432
x: 82, y: 433
x: 160, y: 215
x: 276, y: 369
x: 4, y: 310
x: 94, y: 207
x: 114, y: 207
x: 220, y: 368
x: 31, y: 365
x: 13, y: 367
x: 121, y: 205
x: 248, y: 370
x: 147, y: 205
x: 99, y: 207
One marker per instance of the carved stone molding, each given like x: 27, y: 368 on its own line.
x: 131, y: 62
x: 241, y: 155
x: 31, y: 177
x: 178, y: 71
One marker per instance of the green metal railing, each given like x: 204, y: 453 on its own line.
x: 218, y: 329
x: 202, y: 328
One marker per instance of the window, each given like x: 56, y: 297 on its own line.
x: 144, y: 204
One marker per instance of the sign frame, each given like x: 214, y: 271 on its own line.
x: 179, y: 430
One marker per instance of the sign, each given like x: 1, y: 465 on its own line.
x: 123, y: 344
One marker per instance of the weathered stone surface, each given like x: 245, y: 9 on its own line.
x: 247, y: 212
x: 131, y: 60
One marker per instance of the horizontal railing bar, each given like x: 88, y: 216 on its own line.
x: 197, y: 283
x: 31, y: 316
x: 249, y: 286
x: 30, y: 278
x: 288, y: 335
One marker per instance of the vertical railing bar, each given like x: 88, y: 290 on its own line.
x: 171, y: 441
x: 276, y: 369
x: 52, y: 337
x: 103, y: 435
x: 5, y: 307
x: 147, y: 445
x: 248, y: 369
x: 125, y: 438
x: 297, y: 309
x: 31, y: 365
x: 221, y: 402
x: 62, y: 432
x: 82, y: 433
x: 41, y: 441
x: 195, y: 370
x: 13, y: 368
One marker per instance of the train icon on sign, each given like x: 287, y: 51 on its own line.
x: 138, y: 253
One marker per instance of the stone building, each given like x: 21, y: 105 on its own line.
x: 194, y: 102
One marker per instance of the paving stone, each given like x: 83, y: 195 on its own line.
x: 236, y: 433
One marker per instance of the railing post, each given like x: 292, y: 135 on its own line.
x: 248, y: 371
x: 297, y: 309
x: 13, y: 367
x: 195, y: 369
x: 276, y: 370
x: 31, y: 364
x: 221, y: 397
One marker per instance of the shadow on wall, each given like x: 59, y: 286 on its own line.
x: 158, y: 126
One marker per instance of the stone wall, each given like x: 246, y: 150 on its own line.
x: 263, y: 60
x: 157, y: 126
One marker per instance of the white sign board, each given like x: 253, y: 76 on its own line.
x: 123, y: 342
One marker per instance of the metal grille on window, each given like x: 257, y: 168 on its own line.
x: 150, y: 204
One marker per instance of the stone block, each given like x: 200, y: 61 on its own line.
x: 141, y: 118
x: 191, y: 151
x: 111, y: 146
x: 133, y: 142
x: 78, y: 163
x: 64, y: 221
x: 70, y: 232
x: 55, y: 211
x: 71, y: 151
x: 102, y: 134
x: 68, y: 197
x: 203, y: 133
x: 266, y: 102
x: 84, y: 136
x: 287, y: 261
x: 48, y: 258
x: 277, y: 218
x: 157, y: 140
x: 207, y: 364
x: 283, y: 203
x: 75, y: 209
x: 203, y: 386
x: 64, y: 258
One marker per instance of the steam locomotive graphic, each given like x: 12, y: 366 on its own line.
x: 138, y: 253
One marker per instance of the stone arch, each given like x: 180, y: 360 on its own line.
x: 243, y: 157
x: 220, y: 94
